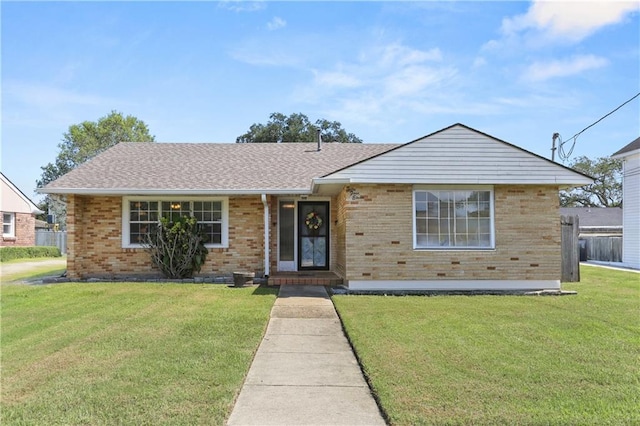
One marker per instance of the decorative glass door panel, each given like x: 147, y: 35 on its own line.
x: 313, y: 235
x: 286, y: 235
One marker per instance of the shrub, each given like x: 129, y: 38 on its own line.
x: 177, y: 248
x: 11, y: 253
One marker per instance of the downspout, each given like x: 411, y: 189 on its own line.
x: 266, y: 235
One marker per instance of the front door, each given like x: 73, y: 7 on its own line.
x: 313, y: 235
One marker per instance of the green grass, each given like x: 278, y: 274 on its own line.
x: 504, y: 359
x: 127, y: 353
x: 37, y: 270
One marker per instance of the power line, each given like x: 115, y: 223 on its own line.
x: 564, y: 155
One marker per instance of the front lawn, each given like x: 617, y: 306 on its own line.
x: 504, y: 359
x: 127, y: 353
x: 30, y: 270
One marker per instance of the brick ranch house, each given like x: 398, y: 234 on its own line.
x: 455, y: 210
x: 18, y: 216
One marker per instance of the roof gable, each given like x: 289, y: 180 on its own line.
x: 15, y: 200
x: 457, y: 155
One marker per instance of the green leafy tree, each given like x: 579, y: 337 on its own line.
x: 606, y: 191
x: 296, y: 128
x: 84, y: 141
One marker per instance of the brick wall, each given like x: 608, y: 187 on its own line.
x: 94, y: 227
x: 371, y: 238
x: 379, y: 237
x: 25, y: 232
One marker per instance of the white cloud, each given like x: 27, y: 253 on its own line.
x: 569, y: 20
x: 382, y: 80
x: 479, y: 62
x: 242, y: 5
x: 393, y: 68
x: 336, y: 79
x: 413, y: 80
x: 540, y: 71
x: 276, y: 23
x: 399, y: 55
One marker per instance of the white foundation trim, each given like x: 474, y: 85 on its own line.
x: 454, y: 285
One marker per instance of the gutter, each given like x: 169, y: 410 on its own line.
x: 266, y: 234
x: 162, y: 192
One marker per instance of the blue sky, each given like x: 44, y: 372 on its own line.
x: 388, y: 71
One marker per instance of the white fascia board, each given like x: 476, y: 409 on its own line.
x: 315, y: 182
x: 454, y: 285
x: 124, y: 191
x: 457, y: 181
x: 330, y: 181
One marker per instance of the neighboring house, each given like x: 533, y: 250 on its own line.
x: 600, y: 233
x: 18, y: 216
x: 630, y: 156
x: 455, y: 210
x: 596, y: 221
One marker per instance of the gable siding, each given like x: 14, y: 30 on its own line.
x: 459, y: 156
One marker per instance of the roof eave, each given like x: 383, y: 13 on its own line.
x: 164, y: 192
x: 622, y: 154
x: 552, y: 181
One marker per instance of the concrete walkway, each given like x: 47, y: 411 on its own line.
x: 304, y: 372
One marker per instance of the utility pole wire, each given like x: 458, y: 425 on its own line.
x: 605, y: 116
x: 561, y: 152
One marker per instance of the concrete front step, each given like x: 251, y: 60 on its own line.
x: 321, y: 278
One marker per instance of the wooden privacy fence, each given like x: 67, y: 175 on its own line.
x: 570, y: 249
x: 605, y: 249
x: 52, y: 238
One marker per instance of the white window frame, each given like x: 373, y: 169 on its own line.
x: 422, y: 188
x: 11, y: 223
x: 126, y: 214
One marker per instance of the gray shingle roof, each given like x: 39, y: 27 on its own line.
x: 631, y: 147
x: 137, y: 168
x: 595, y: 216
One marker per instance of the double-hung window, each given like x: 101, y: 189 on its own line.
x: 453, y: 218
x: 142, y: 214
x: 8, y: 225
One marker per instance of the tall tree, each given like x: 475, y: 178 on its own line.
x: 606, y: 191
x: 296, y: 128
x: 84, y: 141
